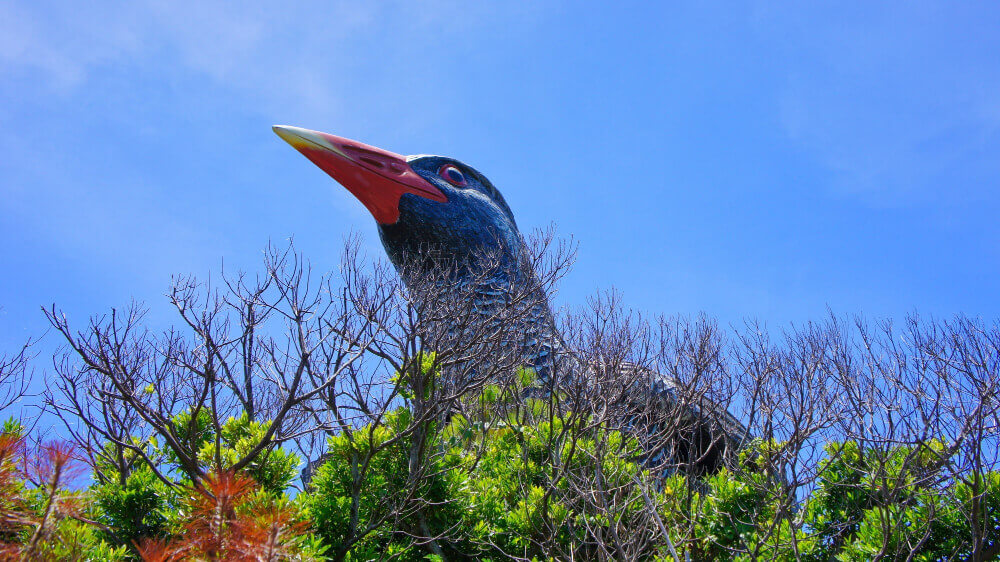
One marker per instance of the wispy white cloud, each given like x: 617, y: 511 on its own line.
x: 894, y: 108
x: 244, y: 48
x: 64, y: 44
x: 286, y: 55
x: 302, y: 62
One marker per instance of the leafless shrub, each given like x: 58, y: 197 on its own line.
x: 15, y: 376
x: 266, y: 347
x: 902, y: 396
x: 337, y: 355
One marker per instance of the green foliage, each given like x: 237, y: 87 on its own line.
x: 137, y: 509
x: 13, y: 427
x: 489, y: 487
x: 421, y: 373
x: 134, y: 504
x: 499, y: 486
x: 41, y: 519
x: 193, y: 433
x: 366, y: 481
x: 516, y: 496
x: 508, y: 477
x: 867, y: 504
x: 70, y: 539
x: 871, y: 502
x: 273, y: 471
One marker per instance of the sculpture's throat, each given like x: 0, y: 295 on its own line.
x: 488, y: 299
x: 529, y: 325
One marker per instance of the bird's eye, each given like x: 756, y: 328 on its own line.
x: 452, y: 175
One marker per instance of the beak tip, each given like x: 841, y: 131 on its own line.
x: 283, y: 131
x: 301, y: 138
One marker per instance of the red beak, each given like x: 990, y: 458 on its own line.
x: 378, y: 178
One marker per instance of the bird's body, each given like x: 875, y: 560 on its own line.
x: 433, y: 210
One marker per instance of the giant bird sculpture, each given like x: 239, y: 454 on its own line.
x: 439, y: 206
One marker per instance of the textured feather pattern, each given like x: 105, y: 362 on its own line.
x: 477, y: 222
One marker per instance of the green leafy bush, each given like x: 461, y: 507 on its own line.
x: 496, y: 476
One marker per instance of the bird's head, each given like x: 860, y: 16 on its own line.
x: 424, y: 205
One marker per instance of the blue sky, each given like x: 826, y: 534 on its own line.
x: 744, y: 159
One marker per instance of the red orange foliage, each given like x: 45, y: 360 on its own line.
x: 225, y: 523
x: 47, y: 468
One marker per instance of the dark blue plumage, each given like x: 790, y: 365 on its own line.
x: 477, y: 221
x: 473, y: 220
x: 474, y: 224
x: 434, y: 211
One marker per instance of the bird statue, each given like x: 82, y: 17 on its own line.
x: 437, y: 206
